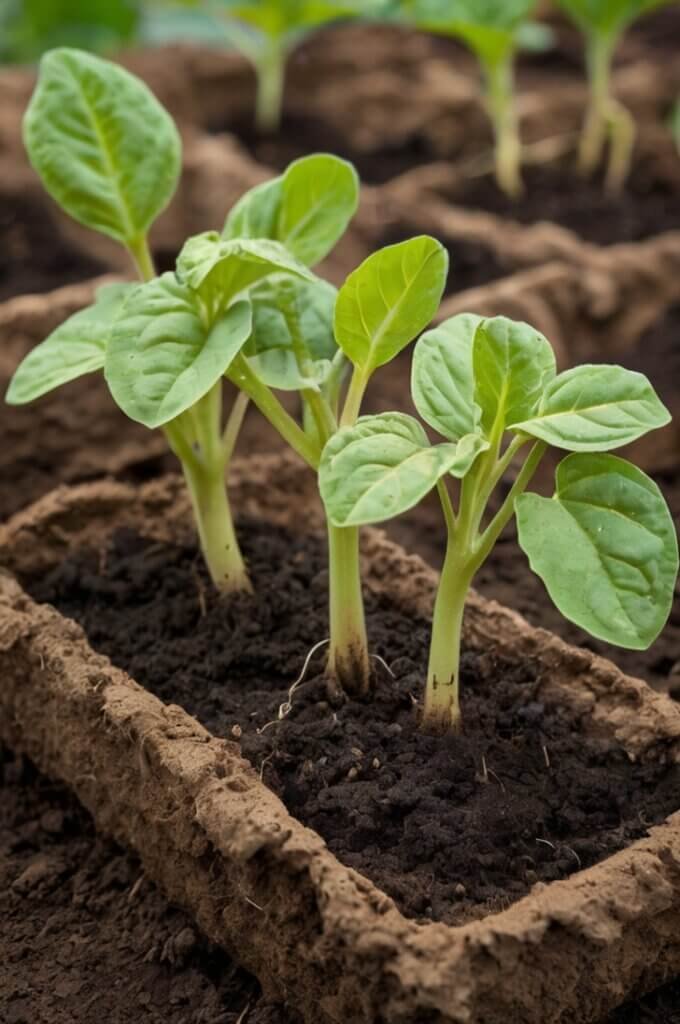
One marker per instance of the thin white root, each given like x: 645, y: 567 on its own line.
x: 381, y: 661
x: 287, y: 706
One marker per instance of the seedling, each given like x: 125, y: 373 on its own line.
x: 493, y: 30
x: 603, y: 23
x: 604, y: 545
x: 110, y: 155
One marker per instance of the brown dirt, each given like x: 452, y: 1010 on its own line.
x: 421, y: 817
x: 87, y: 937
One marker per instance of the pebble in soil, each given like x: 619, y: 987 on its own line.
x: 451, y: 828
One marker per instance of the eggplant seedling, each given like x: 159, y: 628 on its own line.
x: 604, y: 545
x: 603, y: 23
x: 110, y: 155
x: 493, y: 30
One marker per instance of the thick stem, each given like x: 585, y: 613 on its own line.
x: 622, y: 135
x: 348, y: 661
x: 271, y: 74
x: 441, y: 713
x: 599, y: 50
x: 143, y: 260
x: 355, y: 397
x: 503, y: 112
x: 196, y: 441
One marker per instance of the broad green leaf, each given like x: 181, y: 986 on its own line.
x: 30, y: 27
x: 76, y: 347
x: 385, y: 465
x: 512, y: 364
x: 442, y: 383
x: 608, y: 17
x: 489, y: 27
x: 162, y: 358
x: 292, y: 343
x: 596, y: 408
x: 605, y: 546
x: 284, y: 18
x: 105, y: 148
x: 387, y: 301
x: 220, y: 270
x: 307, y: 209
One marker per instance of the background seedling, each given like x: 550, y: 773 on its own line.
x: 490, y: 388
x: 493, y: 31
x: 603, y: 23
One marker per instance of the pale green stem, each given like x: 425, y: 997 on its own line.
x: 348, y: 661
x: 243, y: 377
x: 355, y: 396
x: 605, y: 116
x: 271, y: 74
x: 503, y: 112
x: 143, y: 260
x: 466, y: 551
x: 233, y: 426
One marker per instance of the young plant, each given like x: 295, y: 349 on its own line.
x: 493, y: 30
x: 604, y: 545
x: 306, y: 335
x: 603, y: 23
x: 110, y: 155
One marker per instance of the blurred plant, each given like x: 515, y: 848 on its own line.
x: 493, y: 30
x: 603, y: 23
x: 29, y: 27
x: 264, y: 31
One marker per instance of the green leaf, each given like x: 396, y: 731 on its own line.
x: 162, y: 358
x: 292, y: 343
x: 489, y: 27
x: 104, y: 147
x: 387, y: 301
x: 442, y: 382
x: 512, y: 363
x: 605, y: 546
x: 609, y: 17
x: 307, y: 209
x: 596, y: 408
x: 76, y: 347
x: 219, y: 271
x: 384, y: 465
x: 282, y: 18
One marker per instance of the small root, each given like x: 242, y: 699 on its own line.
x: 287, y: 706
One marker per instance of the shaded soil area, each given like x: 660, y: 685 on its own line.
x: 451, y: 828
x: 86, y: 937
x: 34, y: 256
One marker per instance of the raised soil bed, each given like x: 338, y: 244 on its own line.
x: 207, y: 828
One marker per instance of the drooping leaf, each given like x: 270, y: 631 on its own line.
x: 442, y: 382
x: 605, y: 546
x: 291, y: 18
x: 292, y: 343
x: 384, y: 465
x: 512, y: 365
x: 76, y: 347
x: 162, y: 358
x: 105, y: 148
x: 596, y: 408
x: 307, y: 209
x: 489, y: 27
x: 608, y: 17
x: 220, y: 270
x: 387, y: 301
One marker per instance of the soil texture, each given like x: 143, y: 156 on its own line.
x: 451, y: 828
x: 87, y: 937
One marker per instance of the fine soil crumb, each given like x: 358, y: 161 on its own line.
x: 86, y: 937
x: 450, y: 828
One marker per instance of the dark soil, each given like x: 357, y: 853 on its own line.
x: 34, y: 257
x: 451, y: 828
x: 86, y: 937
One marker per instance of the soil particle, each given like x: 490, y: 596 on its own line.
x: 524, y: 795
x: 85, y: 935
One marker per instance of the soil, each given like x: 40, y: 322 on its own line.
x: 87, y: 937
x: 451, y: 828
x: 30, y: 259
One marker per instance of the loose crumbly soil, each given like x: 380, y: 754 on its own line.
x: 451, y: 828
x: 87, y: 937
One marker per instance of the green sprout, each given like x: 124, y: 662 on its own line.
x: 493, y: 30
x: 110, y: 155
x: 603, y: 23
x: 604, y: 545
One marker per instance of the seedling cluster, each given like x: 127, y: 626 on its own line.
x: 244, y: 304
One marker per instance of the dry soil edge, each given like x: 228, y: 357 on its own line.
x: 221, y: 844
